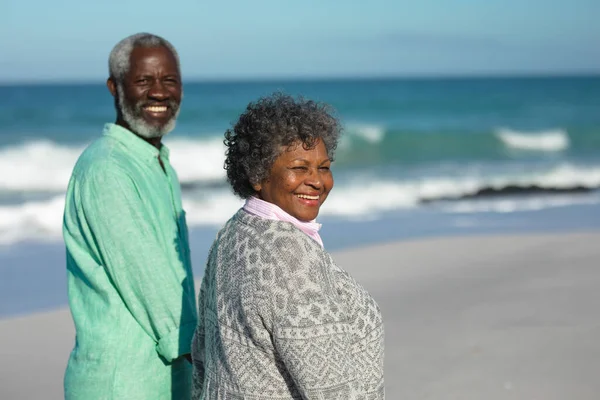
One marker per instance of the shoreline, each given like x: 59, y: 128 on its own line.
x: 33, y: 276
x: 475, y: 317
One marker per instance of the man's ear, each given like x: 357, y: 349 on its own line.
x: 257, y: 187
x: 112, y: 86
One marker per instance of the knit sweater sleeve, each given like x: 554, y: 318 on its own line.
x: 198, y: 346
x: 311, y: 330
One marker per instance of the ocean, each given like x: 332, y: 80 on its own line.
x: 418, y: 157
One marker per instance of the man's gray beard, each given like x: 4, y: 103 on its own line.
x: 137, y: 124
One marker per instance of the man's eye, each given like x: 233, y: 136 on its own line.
x: 324, y: 168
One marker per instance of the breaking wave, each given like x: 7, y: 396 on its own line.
x: 44, y: 166
x: 551, y: 140
x: 559, y: 186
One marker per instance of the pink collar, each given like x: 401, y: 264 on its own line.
x: 267, y: 210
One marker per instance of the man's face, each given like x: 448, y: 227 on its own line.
x: 150, y: 94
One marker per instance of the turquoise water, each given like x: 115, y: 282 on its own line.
x: 457, y: 145
x: 418, y: 158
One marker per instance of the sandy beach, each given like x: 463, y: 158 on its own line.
x: 486, y: 317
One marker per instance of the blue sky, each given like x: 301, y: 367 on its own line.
x: 69, y: 40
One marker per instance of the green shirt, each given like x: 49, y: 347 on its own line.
x: 130, y: 282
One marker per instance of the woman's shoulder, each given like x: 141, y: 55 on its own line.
x: 274, y: 234
x: 274, y: 249
x: 263, y: 241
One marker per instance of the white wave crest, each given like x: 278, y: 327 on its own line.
x: 42, y: 220
x: 361, y: 199
x: 37, y: 166
x: 214, y: 209
x: 44, y: 166
x: 505, y: 206
x: 371, y: 133
x: 550, y: 140
x: 198, y: 160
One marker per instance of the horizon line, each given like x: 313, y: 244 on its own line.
x: 317, y: 78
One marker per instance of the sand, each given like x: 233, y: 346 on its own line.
x: 489, y: 317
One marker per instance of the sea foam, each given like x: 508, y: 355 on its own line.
x: 550, y: 140
x: 37, y: 166
x: 370, y: 133
x: 45, y: 166
x: 357, y: 199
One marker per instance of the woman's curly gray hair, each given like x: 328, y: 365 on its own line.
x: 268, y: 125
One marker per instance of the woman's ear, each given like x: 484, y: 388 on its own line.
x: 257, y: 187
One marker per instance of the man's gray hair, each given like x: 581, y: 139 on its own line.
x: 118, y: 61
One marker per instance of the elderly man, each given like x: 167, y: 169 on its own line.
x: 130, y: 283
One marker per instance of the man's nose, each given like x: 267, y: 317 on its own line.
x: 158, y: 91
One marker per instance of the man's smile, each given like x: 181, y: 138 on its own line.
x: 156, y: 109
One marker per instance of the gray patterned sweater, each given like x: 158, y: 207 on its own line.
x: 279, y: 320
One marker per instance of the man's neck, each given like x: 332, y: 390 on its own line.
x: 156, y: 142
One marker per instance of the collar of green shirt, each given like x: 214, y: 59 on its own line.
x: 135, y: 144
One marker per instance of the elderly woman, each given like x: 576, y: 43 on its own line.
x: 278, y: 319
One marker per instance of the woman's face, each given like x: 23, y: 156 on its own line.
x: 299, y: 181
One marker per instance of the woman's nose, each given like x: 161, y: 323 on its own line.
x: 314, y: 178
